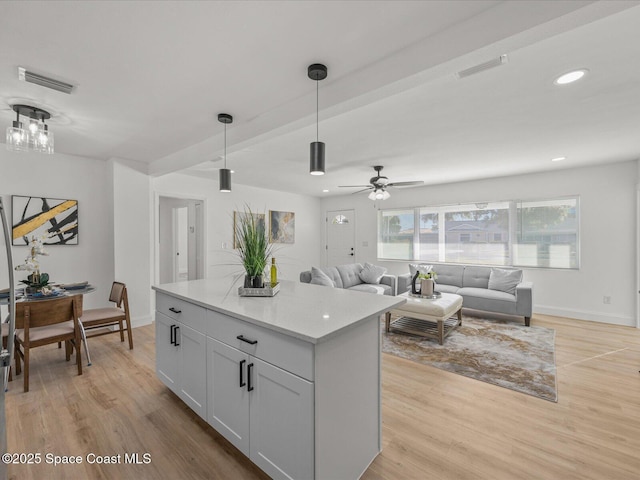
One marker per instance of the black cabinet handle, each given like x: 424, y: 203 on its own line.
x: 250, y: 342
x: 175, y: 310
x: 249, y: 368
x: 242, y: 382
x: 176, y: 335
x: 173, y: 335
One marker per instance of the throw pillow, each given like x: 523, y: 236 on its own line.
x: 372, y: 274
x: 419, y: 267
x: 504, y: 280
x: 318, y: 277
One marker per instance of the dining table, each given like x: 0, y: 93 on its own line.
x: 57, y: 291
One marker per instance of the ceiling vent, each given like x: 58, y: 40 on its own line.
x: 501, y: 60
x: 47, y: 82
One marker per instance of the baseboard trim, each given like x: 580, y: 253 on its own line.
x: 585, y: 315
x: 141, y: 321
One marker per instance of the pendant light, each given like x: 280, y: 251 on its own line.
x: 36, y: 137
x: 225, y: 173
x: 317, y: 72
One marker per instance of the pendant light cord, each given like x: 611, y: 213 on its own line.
x: 317, y: 108
x: 225, y: 146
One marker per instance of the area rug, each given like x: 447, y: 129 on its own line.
x: 494, y: 351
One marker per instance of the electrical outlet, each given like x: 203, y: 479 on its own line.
x: 365, y: 244
x: 224, y: 245
x: 606, y: 299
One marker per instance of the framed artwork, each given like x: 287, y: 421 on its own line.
x: 55, y: 218
x: 259, y: 217
x: 282, y: 227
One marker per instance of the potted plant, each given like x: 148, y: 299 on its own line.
x: 253, y: 247
x: 427, y: 282
x: 36, y: 281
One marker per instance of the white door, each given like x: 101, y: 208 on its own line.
x: 282, y: 419
x: 228, y: 400
x: 181, y: 244
x: 192, y: 369
x: 167, y: 354
x: 341, y: 237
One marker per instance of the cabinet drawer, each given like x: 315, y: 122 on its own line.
x: 186, y: 313
x: 288, y: 353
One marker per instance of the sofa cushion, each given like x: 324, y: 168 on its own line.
x: 504, y: 280
x: 475, y: 276
x: 380, y: 289
x: 449, y: 274
x: 372, y: 273
x: 442, y: 288
x: 489, y: 300
x: 318, y: 277
x: 350, y: 274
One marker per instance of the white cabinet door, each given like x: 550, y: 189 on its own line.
x: 228, y: 399
x: 281, y: 406
x: 192, y: 369
x: 167, y: 354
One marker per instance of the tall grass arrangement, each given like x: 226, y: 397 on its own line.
x: 252, y: 243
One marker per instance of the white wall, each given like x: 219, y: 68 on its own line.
x: 68, y: 177
x: 132, y: 240
x: 607, y: 229
x: 219, y: 207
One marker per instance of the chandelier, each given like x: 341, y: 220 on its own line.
x: 36, y: 137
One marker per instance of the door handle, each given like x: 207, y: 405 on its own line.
x: 249, y: 386
x: 242, y: 382
x: 175, y: 310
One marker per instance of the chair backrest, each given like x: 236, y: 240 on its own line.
x: 117, y: 293
x: 41, y: 313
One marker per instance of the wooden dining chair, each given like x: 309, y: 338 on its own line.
x: 102, y: 318
x: 42, y: 323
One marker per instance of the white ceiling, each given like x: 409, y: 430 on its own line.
x: 152, y: 76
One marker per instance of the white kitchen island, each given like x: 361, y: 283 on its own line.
x: 293, y: 381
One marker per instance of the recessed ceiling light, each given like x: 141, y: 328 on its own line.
x: 558, y: 159
x: 570, y: 77
x: 325, y: 190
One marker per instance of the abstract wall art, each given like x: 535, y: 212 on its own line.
x: 54, y: 218
x: 282, y: 227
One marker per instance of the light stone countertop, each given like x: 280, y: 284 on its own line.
x: 312, y: 313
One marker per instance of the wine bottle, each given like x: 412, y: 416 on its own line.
x: 274, y: 272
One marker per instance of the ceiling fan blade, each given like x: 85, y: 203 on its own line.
x: 405, y: 184
x: 354, y: 186
x: 363, y: 190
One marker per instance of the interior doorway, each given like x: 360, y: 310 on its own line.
x: 180, y: 239
x: 341, y: 231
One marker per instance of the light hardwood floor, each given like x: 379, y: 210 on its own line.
x: 436, y: 425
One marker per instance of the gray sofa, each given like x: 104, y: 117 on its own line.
x: 472, y: 283
x: 348, y: 277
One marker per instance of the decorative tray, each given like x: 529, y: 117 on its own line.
x: 429, y: 297
x: 267, y: 291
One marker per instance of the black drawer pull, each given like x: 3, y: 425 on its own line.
x: 242, y: 382
x: 172, y: 337
x: 250, y: 342
x: 176, y: 335
x: 249, y: 368
x: 174, y: 310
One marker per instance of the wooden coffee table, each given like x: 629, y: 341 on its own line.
x: 429, y: 318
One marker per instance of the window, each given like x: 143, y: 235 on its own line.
x: 542, y: 233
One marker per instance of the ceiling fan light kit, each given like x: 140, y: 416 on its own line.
x: 225, y: 173
x: 36, y: 137
x: 378, y: 185
x: 317, y: 72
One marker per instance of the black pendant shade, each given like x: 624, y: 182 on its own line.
x: 317, y: 72
x: 316, y: 165
x: 225, y: 173
x: 225, y: 180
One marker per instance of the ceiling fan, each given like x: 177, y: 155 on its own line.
x: 378, y: 185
